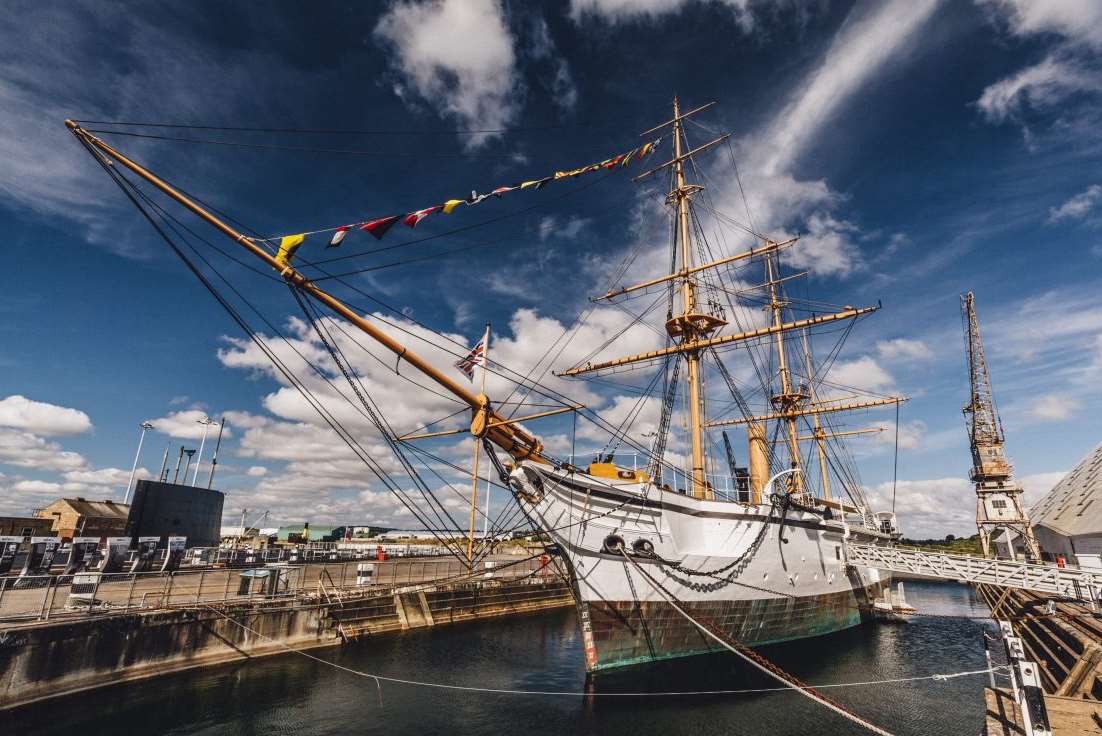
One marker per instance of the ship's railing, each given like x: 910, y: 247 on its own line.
x: 52, y: 597
x: 1070, y: 582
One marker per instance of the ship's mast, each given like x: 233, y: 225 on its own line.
x: 692, y: 329
x: 787, y: 400
x: 684, y: 326
x: 998, y: 495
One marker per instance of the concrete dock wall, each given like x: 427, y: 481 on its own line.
x: 45, y: 659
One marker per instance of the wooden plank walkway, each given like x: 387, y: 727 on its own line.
x: 1068, y: 716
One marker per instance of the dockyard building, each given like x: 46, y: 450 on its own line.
x: 25, y: 526
x: 1068, y: 521
x: 78, y: 517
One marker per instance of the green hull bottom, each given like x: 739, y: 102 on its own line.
x: 628, y: 633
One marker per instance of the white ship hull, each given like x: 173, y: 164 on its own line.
x: 773, y: 576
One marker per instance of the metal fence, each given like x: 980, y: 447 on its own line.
x: 48, y: 597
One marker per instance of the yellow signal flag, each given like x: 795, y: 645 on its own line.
x: 451, y: 204
x: 288, y: 244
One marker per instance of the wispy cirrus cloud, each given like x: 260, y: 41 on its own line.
x: 1065, y: 83
x: 1079, y: 206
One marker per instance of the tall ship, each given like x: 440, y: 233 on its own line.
x: 663, y: 527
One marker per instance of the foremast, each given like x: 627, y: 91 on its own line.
x: 689, y: 325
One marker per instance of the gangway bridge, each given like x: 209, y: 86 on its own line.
x: 1067, y: 582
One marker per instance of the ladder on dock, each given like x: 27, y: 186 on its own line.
x: 1069, y: 582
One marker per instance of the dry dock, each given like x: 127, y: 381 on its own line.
x: 151, y: 625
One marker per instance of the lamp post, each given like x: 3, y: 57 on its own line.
x: 207, y: 422
x: 146, y: 426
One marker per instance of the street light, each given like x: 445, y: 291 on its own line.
x: 146, y: 426
x: 207, y: 422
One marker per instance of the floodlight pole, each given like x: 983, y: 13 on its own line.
x: 146, y: 426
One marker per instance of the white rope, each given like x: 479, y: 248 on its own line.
x: 581, y: 694
x: 742, y: 655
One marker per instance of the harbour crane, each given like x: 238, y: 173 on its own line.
x: 998, y: 494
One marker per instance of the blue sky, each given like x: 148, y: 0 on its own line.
x: 922, y: 149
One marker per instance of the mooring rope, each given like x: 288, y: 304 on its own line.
x: 755, y: 659
x: 578, y: 693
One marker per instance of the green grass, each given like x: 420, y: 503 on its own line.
x: 958, y: 545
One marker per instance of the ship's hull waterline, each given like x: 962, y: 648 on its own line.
x: 760, y: 575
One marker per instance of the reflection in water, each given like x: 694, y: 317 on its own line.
x: 289, y: 694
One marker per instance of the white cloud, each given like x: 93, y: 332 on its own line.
x: 458, y: 57
x: 930, y: 508
x: 257, y: 471
x: 827, y: 247
x: 1052, y: 408
x: 911, y: 434
x: 185, y: 425
x: 1039, y: 484
x: 863, y: 373
x: 781, y: 203
x: 860, y: 50
x: 35, y: 486
x: 624, y: 11
x: 903, y: 348
x: 1078, y: 206
x: 25, y: 450
x: 1080, y: 21
x: 1070, y: 68
x: 41, y: 418
x: 46, y: 76
x: 1041, y: 86
x: 540, y: 47
x: 551, y: 227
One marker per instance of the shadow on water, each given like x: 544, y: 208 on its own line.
x: 290, y: 694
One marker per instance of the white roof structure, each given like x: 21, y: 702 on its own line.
x: 1074, y: 505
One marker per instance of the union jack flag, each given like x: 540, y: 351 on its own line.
x: 477, y: 356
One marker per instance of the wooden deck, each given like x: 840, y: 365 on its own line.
x: 1068, y: 716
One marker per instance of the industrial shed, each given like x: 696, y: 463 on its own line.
x: 1068, y: 521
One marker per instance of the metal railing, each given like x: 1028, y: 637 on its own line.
x: 48, y: 597
x: 1070, y: 582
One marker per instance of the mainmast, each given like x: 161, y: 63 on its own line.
x: 788, y: 399
x: 692, y: 331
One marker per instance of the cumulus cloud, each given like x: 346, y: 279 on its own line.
x: 1078, y: 206
x: 185, y: 425
x: 256, y: 471
x: 862, y: 373
x: 37, y: 417
x: 25, y: 450
x: 456, y: 56
x: 903, y: 348
x: 930, y: 508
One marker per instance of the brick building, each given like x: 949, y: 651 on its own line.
x: 78, y: 517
